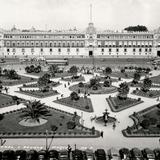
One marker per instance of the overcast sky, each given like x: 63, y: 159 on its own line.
x: 65, y: 14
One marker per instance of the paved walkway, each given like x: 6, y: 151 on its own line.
x: 112, y: 138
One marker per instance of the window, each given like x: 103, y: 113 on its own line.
x: 150, y: 49
x: 77, y: 49
x: 134, y: 49
x: 50, y: 44
x: 8, y: 50
x: 41, y: 49
x: 117, y: 50
x: 102, y: 49
x: 146, y: 49
x: 59, y: 50
x: 125, y: 50
x: 50, y: 49
x: 23, y: 50
x: 32, y: 49
x: 140, y: 50
x: 68, y: 49
x: 110, y: 50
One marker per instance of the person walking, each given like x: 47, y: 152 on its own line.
x: 69, y: 151
x: 102, y: 134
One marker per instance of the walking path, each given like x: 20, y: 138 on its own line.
x: 111, y: 138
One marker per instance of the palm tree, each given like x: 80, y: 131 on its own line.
x: 35, y: 111
x: 147, y: 83
x: 123, y: 90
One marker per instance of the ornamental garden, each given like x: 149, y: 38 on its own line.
x: 118, y: 87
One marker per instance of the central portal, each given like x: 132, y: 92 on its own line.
x: 90, y: 53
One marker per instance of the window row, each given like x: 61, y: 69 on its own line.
x: 37, y: 44
x: 125, y: 36
x: 125, y: 50
x: 41, y: 50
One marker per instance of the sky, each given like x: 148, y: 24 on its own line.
x: 66, y: 14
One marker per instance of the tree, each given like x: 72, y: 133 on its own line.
x: 37, y: 69
x: 53, y: 69
x: 137, y: 28
x: 1, y: 86
x: 94, y: 82
x: 107, y: 83
x: 35, y: 111
x: 136, y: 77
x: 73, y: 70
x: 147, y: 83
x: 43, y: 82
x: 107, y: 71
x: 74, y: 96
x: 145, y: 123
x: 123, y: 90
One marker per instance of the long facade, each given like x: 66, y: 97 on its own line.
x: 89, y: 42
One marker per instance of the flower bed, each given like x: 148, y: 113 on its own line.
x: 100, y: 90
x: 79, y: 79
x: 38, y: 93
x: 56, y: 126
x: 35, y: 85
x: 7, y: 100
x: 10, y: 82
x: 118, y: 105
x: 139, y: 130
x: 149, y: 94
x: 83, y: 104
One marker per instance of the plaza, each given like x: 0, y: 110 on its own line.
x: 111, y: 138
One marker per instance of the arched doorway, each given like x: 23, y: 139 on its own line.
x: 90, y: 53
x: 158, y: 53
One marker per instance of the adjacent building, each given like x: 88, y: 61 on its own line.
x: 89, y: 42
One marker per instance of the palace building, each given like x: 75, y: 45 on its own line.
x: 89, y: 42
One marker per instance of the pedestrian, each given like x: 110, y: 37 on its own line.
x: 102, y: 134
x: 6, y: 89
x: 61, y: 95
x: 69, y: 151
x: 114, y: 126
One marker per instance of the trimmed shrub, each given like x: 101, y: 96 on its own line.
x: 145, y: 124
x: 71, y: 125
x: 54, y: 128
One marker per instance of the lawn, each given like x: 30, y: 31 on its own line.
x: 149, y: 94
x: 155, y: 79
x: 11, y: 82
x: 10, y: 127
x: 152, y: 129
x: 139, y: 84
x: 71, y: 79
x: 35, y: 85
x: 57, y: 75
x: 100, y: 90
x: 118, y: 105
x: 7, y: 100
x: 83, y: 104
x: 38, y: 93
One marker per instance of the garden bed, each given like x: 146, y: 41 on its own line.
x: 38, y: 93
x: 7, y: 100
x: 118, y: 105
x: 140, y: 84
x: 71, y: 79
x: 150, y: 114
x: 149, y: 94
x: 35, y: 85
x: 56, y: 126
x: 100, y: 90
x: 57, y: 75
x: 10, y: 82
x: 83, y: 104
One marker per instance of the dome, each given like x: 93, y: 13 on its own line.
x: 91, y: 29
